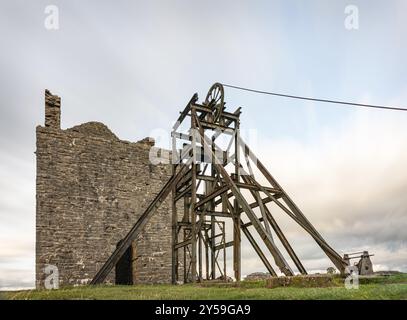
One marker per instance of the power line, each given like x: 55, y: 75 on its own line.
x: 315, y: 99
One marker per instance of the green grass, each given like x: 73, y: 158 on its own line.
x: 391, y: 287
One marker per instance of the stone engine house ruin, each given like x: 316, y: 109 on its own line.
x: 91, y: 187
x: 105, y: 214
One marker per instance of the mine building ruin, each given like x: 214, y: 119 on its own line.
x: 105, y: 213
x: 91, y: 188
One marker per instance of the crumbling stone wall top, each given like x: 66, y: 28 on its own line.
x: 94, y: 129
x: 52, y: 110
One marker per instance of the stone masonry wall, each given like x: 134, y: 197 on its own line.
x: 91, y: 189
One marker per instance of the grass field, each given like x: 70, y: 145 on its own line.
x: 389, y: 287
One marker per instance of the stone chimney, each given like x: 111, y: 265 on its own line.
x: 52, y: 110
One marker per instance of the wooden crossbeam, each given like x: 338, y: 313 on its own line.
x: 214, y: 194
x: 222, y: 246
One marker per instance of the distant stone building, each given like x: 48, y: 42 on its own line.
x: 91, y: 189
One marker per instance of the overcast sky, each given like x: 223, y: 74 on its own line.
x: 133, y: 65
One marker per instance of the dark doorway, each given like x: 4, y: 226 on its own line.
x: 124, y: 268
